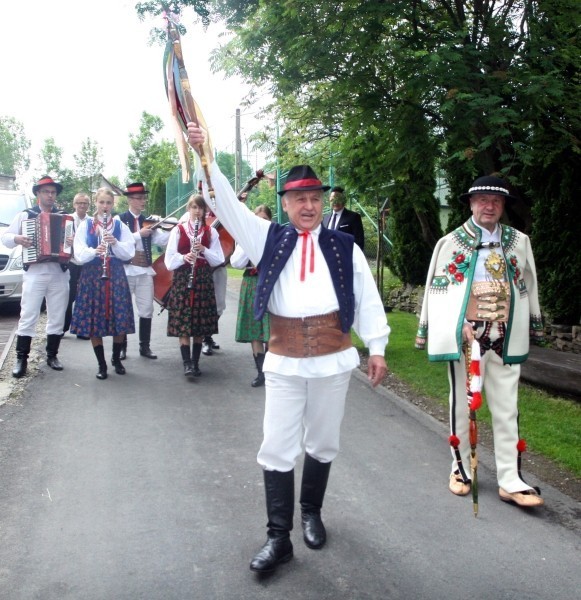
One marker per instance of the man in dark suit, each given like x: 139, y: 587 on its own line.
x: 344, y: 219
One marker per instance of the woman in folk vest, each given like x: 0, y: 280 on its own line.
x: 103, y: 306
x: 192, y: 250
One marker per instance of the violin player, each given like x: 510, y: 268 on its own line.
x: 139, y: 269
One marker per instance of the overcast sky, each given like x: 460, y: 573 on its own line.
x: 77, y: 69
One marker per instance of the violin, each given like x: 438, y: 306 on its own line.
x: 156, y: 222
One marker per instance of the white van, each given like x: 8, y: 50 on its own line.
x: 11, y: 272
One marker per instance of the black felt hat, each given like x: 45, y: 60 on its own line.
x: 488, y: 185
x: 302, y: 178
x: 135, y: 188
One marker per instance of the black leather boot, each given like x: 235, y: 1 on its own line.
x: 122, y: 353
x: 280, y: 500
x: 196, y: 351
x: 186, y: 357
x: 258, y: 381
x: 116, y: 360
x: 100, y: 354
x: 22, y: 351
x: 207, y: 346
x: 145, y: 338
x: 52, y: 347
x: 313, y: 486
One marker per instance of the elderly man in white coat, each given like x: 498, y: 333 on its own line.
x: 482, y: 284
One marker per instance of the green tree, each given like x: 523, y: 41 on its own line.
x: 89, y: 164
x: 227, y: 163
x: 150, y: 159
x: 552, y: 168
x: 495, y: 84
x: 14, y: 147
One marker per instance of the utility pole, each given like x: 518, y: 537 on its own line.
x: 238, y: 154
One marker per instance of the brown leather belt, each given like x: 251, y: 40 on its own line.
x: 140, y: 259
x: 488, y: 301
x: 312, y: 336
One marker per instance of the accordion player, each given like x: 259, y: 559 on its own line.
x: 50, y: 233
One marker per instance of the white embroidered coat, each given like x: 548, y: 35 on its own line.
x: 448, y: 288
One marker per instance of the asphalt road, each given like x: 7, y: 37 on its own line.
x: 146, y: 486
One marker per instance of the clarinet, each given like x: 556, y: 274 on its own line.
x: 190, y: 285
x: 105, y: 266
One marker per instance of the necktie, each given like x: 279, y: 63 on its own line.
x: 306, y: 236
x: 333, y: 221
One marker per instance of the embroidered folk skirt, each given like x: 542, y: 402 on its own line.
x: 103, y: 306
x: 192, y: 313
x: 247, y: 328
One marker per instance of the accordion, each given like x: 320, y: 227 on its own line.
x: 49, y: 232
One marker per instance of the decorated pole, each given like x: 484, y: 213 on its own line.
x: 184, y: 108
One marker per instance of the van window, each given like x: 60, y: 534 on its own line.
x: 11, y: 203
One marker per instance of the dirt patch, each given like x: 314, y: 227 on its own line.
x: 543, y: 468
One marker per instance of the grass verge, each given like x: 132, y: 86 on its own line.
x: 550, y: 424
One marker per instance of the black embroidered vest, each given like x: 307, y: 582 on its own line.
x: 129, y: 220
x: 337, y: 249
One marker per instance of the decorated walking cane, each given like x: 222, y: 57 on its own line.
x: 474, y: 394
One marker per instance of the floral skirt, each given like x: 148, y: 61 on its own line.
x: 103, y: 307
x: 247, y: 328
x: 192, y: 313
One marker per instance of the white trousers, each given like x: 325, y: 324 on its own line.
x: 500, y: 382
x: 220, y: 277
x: 300, y: 409
x: 141, y: 287
x: 54, y: 286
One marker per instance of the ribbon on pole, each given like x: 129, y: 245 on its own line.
x: 474, y: 394
x: 184, y: 109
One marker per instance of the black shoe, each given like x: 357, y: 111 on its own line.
x: 196, y: 371
x: 207, y: 349
x: 214, y: 345
x: 258, y: 381
x: 54, y: 363
x: 275, y: 552
x: 102, y: 374
x: 119, y: 368
x: 188, y: 372
x: 144, y: 350
x: 314, y: 533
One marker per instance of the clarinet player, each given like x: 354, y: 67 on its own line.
x: 192, y: 250
x: 103, y: 306
x: 46, y: 279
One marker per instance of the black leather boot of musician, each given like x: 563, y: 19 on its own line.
x: 52, y: 347
x: 145, y: 338
x: 279, y: 488
x: 258, y: 381
x: 186, y: 357
x: 313, y: 487
x: 22, y: 351
x: 196, y: 351
x: 100, y: 354
x: 116, y: 361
